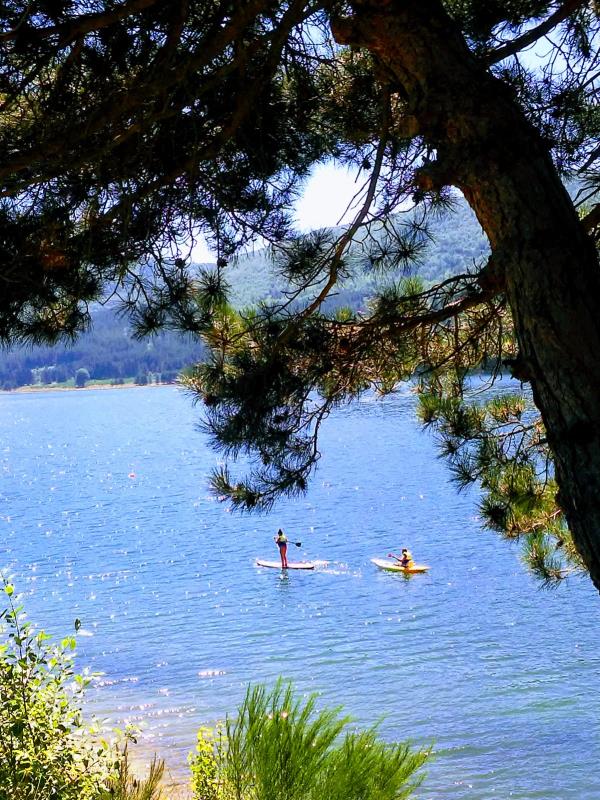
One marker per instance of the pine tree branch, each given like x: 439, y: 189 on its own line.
x: 590, y: 159
x: 472, y: 339
x: 349, y: 233
x: 241, y: 111
x: 471, y: 299
x: 81, y: 25
x: 511, y: 48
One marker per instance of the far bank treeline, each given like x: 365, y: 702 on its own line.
x: 108, y: 352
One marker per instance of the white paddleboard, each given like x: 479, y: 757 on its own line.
x: 291, y: 564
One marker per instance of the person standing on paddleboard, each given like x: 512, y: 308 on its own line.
x: 281, y: 540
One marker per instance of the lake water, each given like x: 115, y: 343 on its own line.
x: 106, y: 516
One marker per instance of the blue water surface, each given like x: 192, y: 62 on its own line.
x: 106, y: 516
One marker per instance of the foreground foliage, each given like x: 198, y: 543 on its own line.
x: 279, y: 747
x: 121, y: 784
x: 46, y: 750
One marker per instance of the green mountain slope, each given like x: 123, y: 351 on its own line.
x: 457, y: 241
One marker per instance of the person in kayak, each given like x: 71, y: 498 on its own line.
x: 405, y: 560
x: 281, y: 541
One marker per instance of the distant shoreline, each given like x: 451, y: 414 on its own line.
x: 49, y: 388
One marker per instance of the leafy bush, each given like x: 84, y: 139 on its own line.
x: 206, y: 766
x: 82, y: 376
x: 280, y: 748
x: 46, y: 752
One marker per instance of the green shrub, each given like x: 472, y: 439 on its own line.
x: 281, y: 748
x: 82, y: 376
x: 206, y: 766
x: 46, y: 752
x: 366, y: 767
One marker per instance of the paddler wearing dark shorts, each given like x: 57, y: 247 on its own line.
x: 281, y: 541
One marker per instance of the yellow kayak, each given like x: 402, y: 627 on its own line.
x: 394, y: 566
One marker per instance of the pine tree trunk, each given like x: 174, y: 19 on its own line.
x: 486, y: 147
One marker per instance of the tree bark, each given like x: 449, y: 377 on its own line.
x: 488, y: 149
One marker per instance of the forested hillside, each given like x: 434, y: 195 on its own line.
x: 109, y: 352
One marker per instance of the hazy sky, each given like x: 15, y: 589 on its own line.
x: 327, y: 193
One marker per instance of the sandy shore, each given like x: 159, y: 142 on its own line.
x: 174, y: 787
